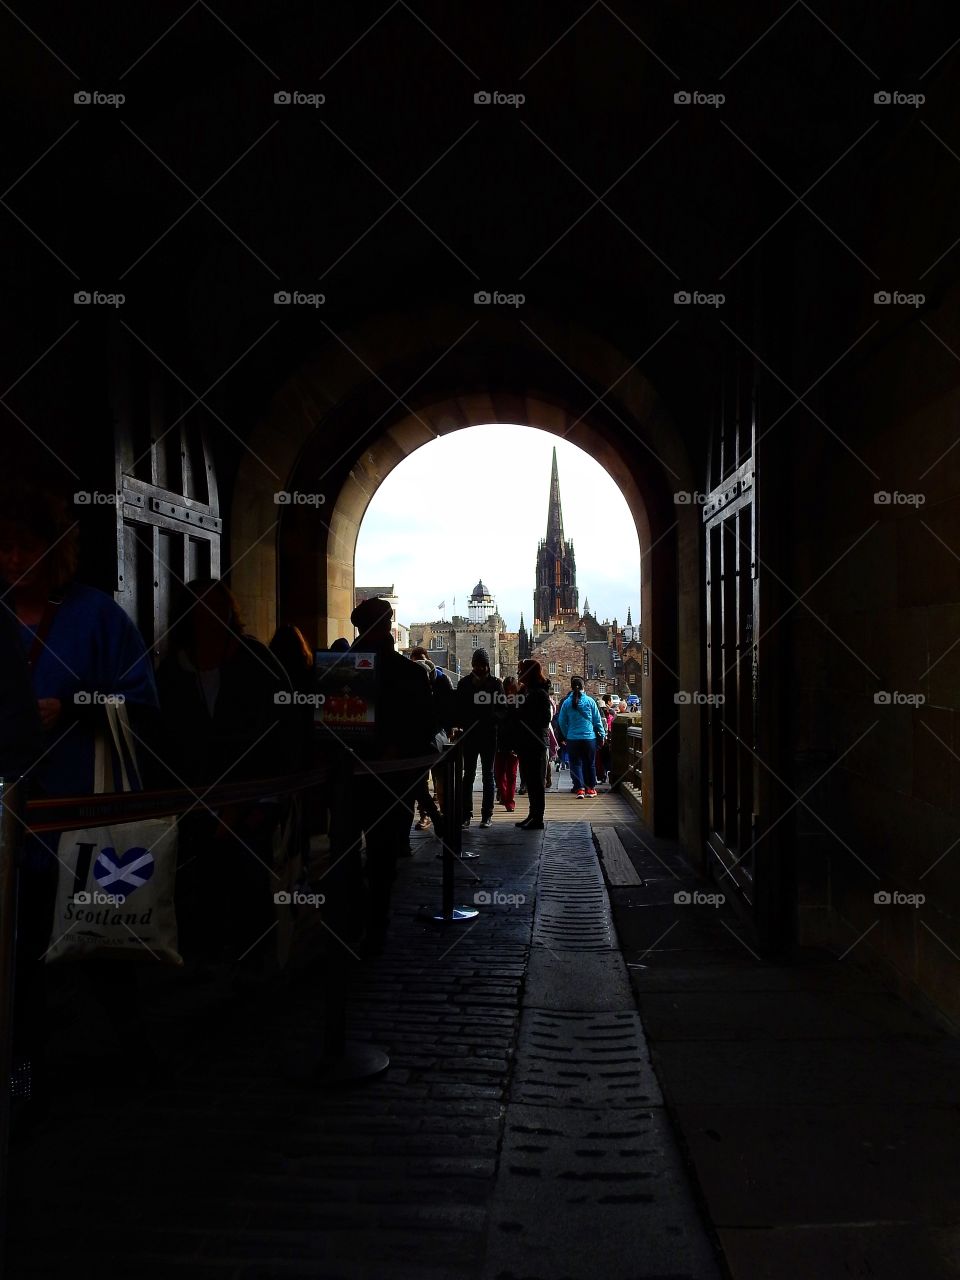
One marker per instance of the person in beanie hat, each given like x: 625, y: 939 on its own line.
x: 476, y: 700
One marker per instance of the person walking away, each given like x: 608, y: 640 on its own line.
x: 581, y: 727
x: 533, y: 722
x: 505, y: 759
x: 474, y: 713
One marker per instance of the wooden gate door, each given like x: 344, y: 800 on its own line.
x: 741, y: 860
x: 168, y: 514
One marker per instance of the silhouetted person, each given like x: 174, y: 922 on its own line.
x: 441, y: 691
x: 475, y: 713
x: 80, y: 648
x: 505, y: 759
x: 226, y: 706
x: 380, y: 809
x: 533, y: 721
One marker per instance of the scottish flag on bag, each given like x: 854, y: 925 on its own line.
x: 115, y: 888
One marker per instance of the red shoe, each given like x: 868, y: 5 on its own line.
x: 511, y: 808
x: 591, y: 792
x: 579, y: 794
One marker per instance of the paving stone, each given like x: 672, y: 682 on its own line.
x: 784, y: 1015
x: 602, y: 1193
x: 874, y: 1163
x: 589, y: 982
x: 583, y: 1060
x: 885, y: 1252
x: 803, y: 1073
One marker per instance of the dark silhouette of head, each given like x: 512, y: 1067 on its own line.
x: 372, y: 619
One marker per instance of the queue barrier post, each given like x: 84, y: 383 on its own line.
x: 452, y: 838
x: 341, y: 1061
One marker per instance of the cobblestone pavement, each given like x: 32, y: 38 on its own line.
x: 518, y: 1134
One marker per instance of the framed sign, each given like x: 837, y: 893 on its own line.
x: 347, y: 683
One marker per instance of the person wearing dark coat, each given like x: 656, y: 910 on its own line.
x: 378, y: 808
x: 533, y: 722
x: 476, y: 703
x: 226, y: 706
x: 428, y: 808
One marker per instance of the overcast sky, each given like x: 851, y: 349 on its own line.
x: 474, y: 505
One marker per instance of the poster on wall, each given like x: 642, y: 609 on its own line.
x: 347, y: 683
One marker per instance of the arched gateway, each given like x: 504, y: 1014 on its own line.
x: 340, y: 424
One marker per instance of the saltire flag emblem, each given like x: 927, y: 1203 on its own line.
x: 123, y: 872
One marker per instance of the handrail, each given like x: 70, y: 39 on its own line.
x: 71, y: 813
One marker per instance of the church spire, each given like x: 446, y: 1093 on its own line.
x: 629, y: 623
x: 555, y: 596
x: 554, y: 510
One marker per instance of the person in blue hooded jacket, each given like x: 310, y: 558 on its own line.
x: 581, y: 728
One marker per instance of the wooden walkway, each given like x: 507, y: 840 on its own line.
x: 563, y: 806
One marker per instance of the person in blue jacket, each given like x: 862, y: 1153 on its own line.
x: 581, y: 728
x: 80, y: 650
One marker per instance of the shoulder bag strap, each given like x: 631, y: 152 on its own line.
x: 122, y: 741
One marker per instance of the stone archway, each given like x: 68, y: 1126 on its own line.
x: 340, y: 424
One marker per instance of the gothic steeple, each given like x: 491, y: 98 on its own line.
x: 523, y: 642
x: 554, y: 510
x: 629, y: 623
x: 555, y: 599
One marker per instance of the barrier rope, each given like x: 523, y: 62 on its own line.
x: 70, y: 813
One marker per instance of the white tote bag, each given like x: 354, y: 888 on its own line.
x: 115, y: 885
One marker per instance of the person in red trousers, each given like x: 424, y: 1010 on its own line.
x: 505, y: 761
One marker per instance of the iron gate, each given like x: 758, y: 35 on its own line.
x: 168, y: 515
x: 734, y: 785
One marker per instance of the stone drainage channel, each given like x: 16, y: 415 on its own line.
x: 590, y: 1179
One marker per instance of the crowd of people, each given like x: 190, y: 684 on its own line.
x: 222, y: 707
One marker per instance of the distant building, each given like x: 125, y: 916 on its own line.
x: 509, y: 646
x: 523, y: 642
x: 586, y: 652
x: 630, y: 632
x: 632, y: 666
x: 462, y: 636
x: 482, y: 604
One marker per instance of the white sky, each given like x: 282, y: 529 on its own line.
x: 474, y: 505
